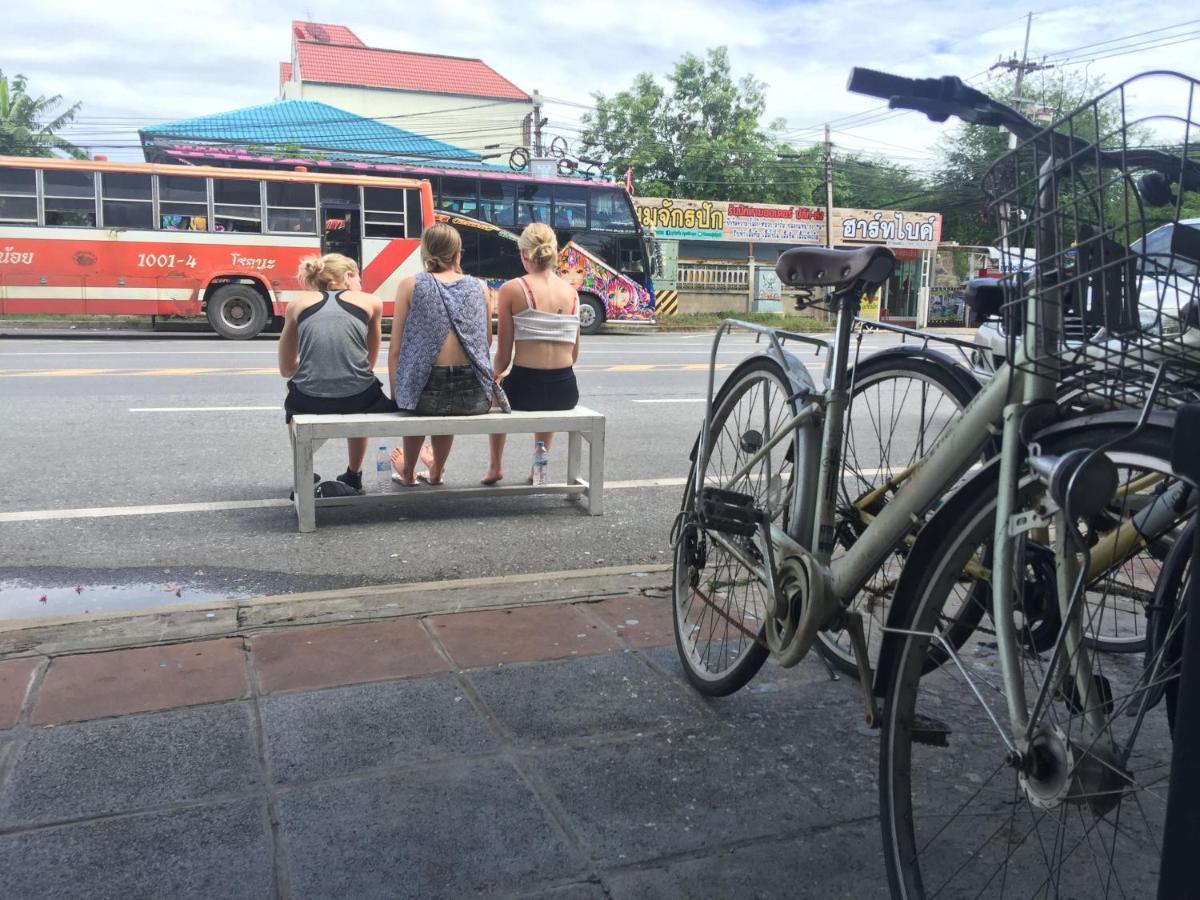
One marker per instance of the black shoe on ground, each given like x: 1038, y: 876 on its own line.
x: 354, y: 479
x: 316, y: 481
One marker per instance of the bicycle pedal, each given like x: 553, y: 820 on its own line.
x: 729, y: 512
x: 930, y: 731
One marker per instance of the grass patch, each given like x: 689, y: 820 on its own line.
x: 712, y: 320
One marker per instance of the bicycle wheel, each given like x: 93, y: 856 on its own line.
x: 720, y: 604
x: 1076, y: 808
x: 1165, y: 622
x: 899, y: 407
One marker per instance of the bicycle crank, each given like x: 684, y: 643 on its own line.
x: 802, y: 606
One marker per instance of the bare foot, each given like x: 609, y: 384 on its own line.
x: 398, y: 460
x: 494, y: 476
x: 426, y: 455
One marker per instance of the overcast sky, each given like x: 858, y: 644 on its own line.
x: 136, y: 62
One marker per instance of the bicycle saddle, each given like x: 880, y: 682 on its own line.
x: 825, y: 267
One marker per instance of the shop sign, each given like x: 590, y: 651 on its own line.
x: 719, y: 220
x: 917, y: 230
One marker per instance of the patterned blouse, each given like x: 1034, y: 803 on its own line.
x: 427, y: 326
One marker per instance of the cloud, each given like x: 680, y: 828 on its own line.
x: 137, y: 62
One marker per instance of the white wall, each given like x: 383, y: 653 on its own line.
x: 462, y: 121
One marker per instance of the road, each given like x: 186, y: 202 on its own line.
x: 156, y: 462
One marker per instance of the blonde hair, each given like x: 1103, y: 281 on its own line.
x: 440, y: 246
x: 320, y: 273
x: 539, y: 245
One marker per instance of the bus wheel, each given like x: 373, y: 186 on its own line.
x: 591, y: 314
x: 237, y: 312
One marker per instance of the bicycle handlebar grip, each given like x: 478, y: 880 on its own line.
x: 879, y: 84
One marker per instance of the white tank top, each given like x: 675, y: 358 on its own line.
x: 533, y: 324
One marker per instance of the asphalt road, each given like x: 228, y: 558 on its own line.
x: 102, y: 423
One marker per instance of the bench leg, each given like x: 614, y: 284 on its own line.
x: 596, y: 470
x: 574, y: 456
x: 302, y: 465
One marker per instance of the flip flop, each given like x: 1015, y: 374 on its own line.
x: 424, y: 477
x: 400, y: 481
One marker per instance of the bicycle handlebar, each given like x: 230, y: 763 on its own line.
x: 941, y: 98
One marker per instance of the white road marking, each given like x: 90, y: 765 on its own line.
x: 674, y: 400
x: 189, y: 409
x: 103, y: 512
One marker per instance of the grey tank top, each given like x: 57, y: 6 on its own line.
x: 426, y: 328
x: 333, y: 349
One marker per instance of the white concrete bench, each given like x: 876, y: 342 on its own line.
x: 581, y: 425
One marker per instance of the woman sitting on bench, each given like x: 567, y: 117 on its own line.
x: 328, y: 348
x: 438, y: 356
x: 539, y: 314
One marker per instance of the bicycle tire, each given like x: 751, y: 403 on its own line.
x: 739, y: 655
x: 1162, y: 626
x: 954, y: 388
x: 917, y: 743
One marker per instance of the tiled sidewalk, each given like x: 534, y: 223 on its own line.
x: 548, y: 751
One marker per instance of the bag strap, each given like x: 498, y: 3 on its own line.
x: 441, y: 292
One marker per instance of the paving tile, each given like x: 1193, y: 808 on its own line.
x: 642, y: 798
x: 467, y: 829
x: 344, y: 730
x: 92, y: 685
x: 350, y: 654
x: 546, y: 631
x: 115, y: 765
x: 641, y: 621
x: 596, y: 695
x: 222, y: 850
x: 834, y: 864
x: 15, y: 676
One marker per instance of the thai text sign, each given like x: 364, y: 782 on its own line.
x: 919, y: 230
x: 719, y: 220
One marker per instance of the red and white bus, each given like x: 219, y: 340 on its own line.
x: 96, y: 237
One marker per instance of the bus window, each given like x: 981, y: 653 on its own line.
x: 126, y: 200
x: 18, y: 197
x: 183, y: 203
x: 570, y: 206
x: 498, y: 202
x: 70, y: 198
x: 413, y: 215
x: 383, y: 212
x: 612, y: 211
x: 291, y: 207
x: 460, y: 195
x: 237, y: 205
x: 470, y: 251
x: 533, y: 204
x: 339, y: 194
x: 499, y: 257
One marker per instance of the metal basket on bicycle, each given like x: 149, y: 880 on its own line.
x: 1109, y: 195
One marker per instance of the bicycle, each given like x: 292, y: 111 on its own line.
x: 754, y: 566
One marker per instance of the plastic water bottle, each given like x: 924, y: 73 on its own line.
x: 541, y: 460
x: 383, y: 468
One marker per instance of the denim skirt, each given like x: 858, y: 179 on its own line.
x: 452, y: 391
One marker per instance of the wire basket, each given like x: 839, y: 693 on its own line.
x: 1094, y: 228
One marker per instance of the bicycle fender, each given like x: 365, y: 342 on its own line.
x: 959, y: 372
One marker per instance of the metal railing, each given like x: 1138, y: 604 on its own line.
x: 714, y: 277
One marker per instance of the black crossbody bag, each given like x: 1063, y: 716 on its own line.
x: 498, y: 395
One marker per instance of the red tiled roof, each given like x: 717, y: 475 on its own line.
x: 397, y: 70
x: 285, y: 73
x: 325, y: 34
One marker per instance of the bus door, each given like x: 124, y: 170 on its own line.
x: 341, y: 231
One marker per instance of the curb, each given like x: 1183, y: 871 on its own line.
x: 235, y: 618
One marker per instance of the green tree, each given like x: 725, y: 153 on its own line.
x: 30, y: 126
x: 702, y: 139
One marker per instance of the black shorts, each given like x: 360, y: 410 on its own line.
x: 541, y: 390
x: 372, y: 400
x: 452, y: 391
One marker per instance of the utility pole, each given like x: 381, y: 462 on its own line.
x: 1021, y: 67
x: 828, y: 188
x: 538, y: 122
